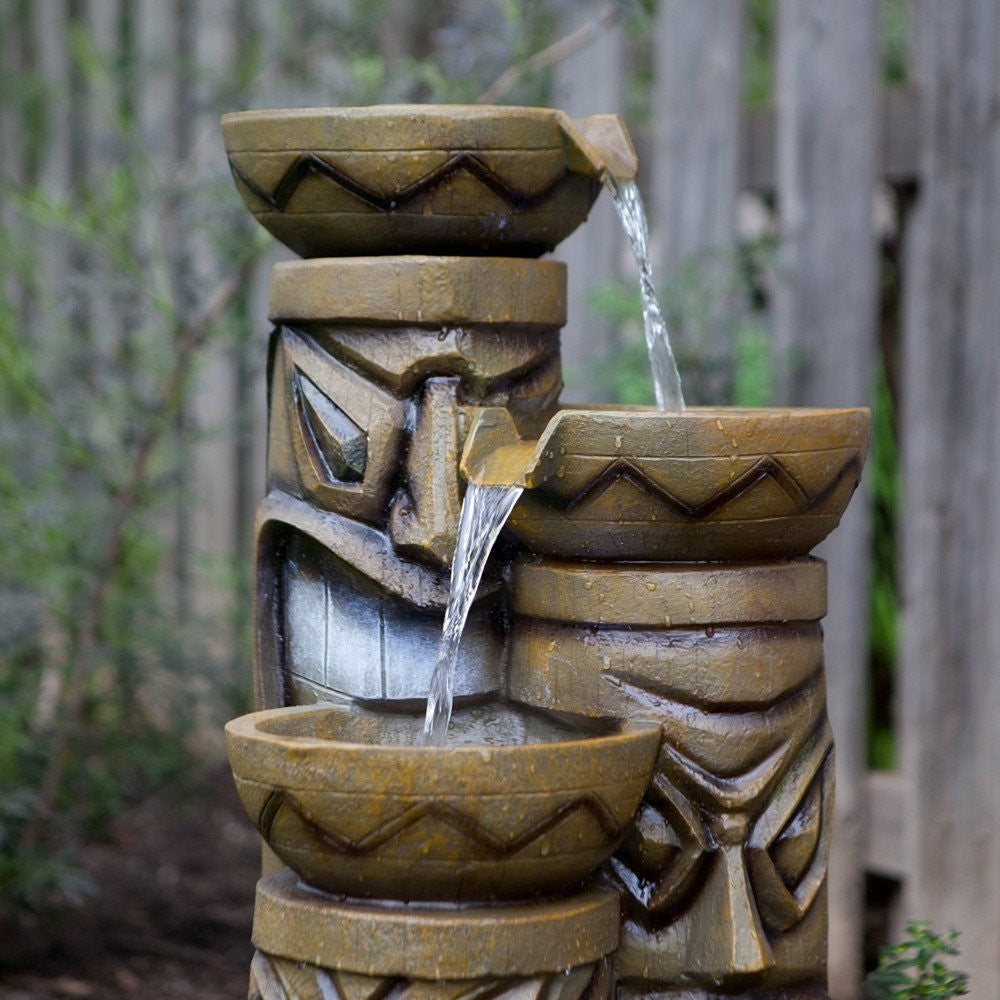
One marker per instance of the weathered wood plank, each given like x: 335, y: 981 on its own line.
x: 825, y: 309
x: 591, y: 82
x: 887, y: 795
x: 698, y: 99
x: 950, y: 681
x: 898, y: 142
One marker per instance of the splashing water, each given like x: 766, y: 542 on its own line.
x: 666, y: 377
x: 484, y: 511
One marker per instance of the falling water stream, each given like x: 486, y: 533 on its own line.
x: 486, y: 508
x: 666, y: 377
x: 484, y: 511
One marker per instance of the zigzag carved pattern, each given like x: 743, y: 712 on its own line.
x: 493, y: 845
x: 309, y: 163
x: 766, y: 467
x: 268, y: 983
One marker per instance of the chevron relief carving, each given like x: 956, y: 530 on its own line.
x: 490, y: 843
x: 273, y: 978
x: 309, y: 164
x: 767, y: 467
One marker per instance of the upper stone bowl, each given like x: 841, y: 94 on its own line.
x: 517, y: 804
x: 705, y: 484
x: 433, y: 179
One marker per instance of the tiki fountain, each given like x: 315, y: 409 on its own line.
x: 635, y: 796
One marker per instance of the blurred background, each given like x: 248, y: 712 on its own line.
x: 823, y: 181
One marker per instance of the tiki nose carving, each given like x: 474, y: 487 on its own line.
x: 423, y: 520
x: 731, y: 942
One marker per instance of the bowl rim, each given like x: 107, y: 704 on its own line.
x: 248, y: 728
x: 393, y: 111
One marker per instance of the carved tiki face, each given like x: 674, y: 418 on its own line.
x: 371, y: 365
x: 723, y: 875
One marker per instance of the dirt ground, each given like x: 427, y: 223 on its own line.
x: 170, y: 919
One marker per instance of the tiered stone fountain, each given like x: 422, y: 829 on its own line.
x: 636, y: 794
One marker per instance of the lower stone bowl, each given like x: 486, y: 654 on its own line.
x: 708, y: 483
x: 517, y: 804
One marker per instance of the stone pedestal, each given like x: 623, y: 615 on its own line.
x: 723, y: 873
x: 312, y: 948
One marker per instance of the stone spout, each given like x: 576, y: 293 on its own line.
x: 604, y: 145
x: 494, y: 452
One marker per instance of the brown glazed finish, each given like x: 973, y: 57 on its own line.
x: 723, y: 874
x: 312, y: 947
x: 443, y: 942
x: 418, y: 178
x: 662, y: 598
x: 516, y: 805
x: 719, y: 483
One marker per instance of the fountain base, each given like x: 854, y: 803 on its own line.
x: 314, y: 946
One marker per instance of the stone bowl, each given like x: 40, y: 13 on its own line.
x: 445, y: 179
x: 704, y: 484
x: 517, y: 804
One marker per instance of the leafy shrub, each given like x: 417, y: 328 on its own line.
x: 914, y: 970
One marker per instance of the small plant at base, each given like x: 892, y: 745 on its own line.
x: 912, y: 970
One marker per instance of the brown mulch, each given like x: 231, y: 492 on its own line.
x: 170, y: 919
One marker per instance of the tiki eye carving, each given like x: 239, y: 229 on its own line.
x: 652, y: 844
x: 663, y: 854
x: 796, y: 844
x: 788, y: 848
x: 337, y: 446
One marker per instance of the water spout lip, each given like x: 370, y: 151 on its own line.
x: 496, y: 455
x: 605, y: 144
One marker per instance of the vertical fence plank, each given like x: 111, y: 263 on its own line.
x: 950, y: 681
x: 591, y: 81
x: 698, y: 98
x: 825, y: 310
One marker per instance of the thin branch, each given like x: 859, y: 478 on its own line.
x: 123, y: 506
x: 557, y: 52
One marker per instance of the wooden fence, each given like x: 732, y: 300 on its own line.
x: 821, y: 164
x: 834, y: 146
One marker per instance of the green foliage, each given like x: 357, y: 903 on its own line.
x: 717, y: 330
x: 895, y: 41
x: 914, y: 970
x: 108, y: 679
x: 102, y: 692
x: 883, y: 473
x: 758, y: 64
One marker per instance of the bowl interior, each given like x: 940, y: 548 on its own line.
x: 476, y: 725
